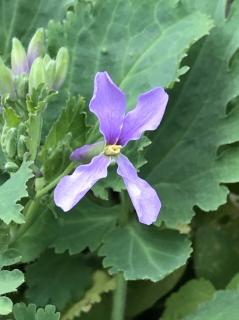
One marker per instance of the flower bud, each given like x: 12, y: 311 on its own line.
x: 62, y: 61
x: 50, y: 73
x: 21, y: 129
x: 3, y: 137
x: 19, y: 61
x: 37, y: 75
x: 6, y: 79
x: 11, y: 166
x: 36, y: 46
x: 46, y: 59
x: 11, y: 142
x: 21, y: 85
x: 21, y: 146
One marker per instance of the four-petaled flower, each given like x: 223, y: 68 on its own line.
x: 118, y: 128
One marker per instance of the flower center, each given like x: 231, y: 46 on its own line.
x: 112, y: 149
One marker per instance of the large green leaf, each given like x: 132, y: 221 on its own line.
x: 20, y: 19
x: 184, y: 165
x: 85, y: 226
x: 57, y: 279
x: 102, y: 284
x: 30, y: 312
x: 13, y: 190
x: 144, y: 252
x: 67, y: 133
x: 220, y: 230
x: 224, y: 305
x: 141, y: 43
x: 187, y: 299
x: 142, y: 295
x: 40, y: 234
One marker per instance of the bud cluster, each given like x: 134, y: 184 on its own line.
x: 25, y: 89
x: 14, y: 145
x: 32, y: 68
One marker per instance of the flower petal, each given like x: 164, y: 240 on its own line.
x: 147, y: 115
x: 87, y: 152
x: 108, y: 104
x: 72, y: 188
x: 144, y: 198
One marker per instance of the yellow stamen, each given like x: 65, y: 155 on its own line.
x: 112, y: 150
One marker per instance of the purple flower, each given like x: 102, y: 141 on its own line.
x: 118, y: 128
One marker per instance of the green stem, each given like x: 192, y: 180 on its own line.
x: 52, y: 184
x: 119, y: 298
x: 124, y: 212
x: 31, y: 212
x: 32, y: 206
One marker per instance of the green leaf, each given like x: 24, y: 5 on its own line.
x: 183, y: 162
x: 67, y: 133
x: 187, y: 299
x: 13, y: 190
x: 38, y: 236
x: 30, y: 312
x: 234, y: 283
x: 45, y: 275
x: 224, y: 305
x: 102, y: 284
x: 4, y: 237
x: 9, y: 257
x: 220, y: 230
x: 142, y: 295
x: 5, y: 306
x: 144, y: 253
x: 20, y: 19
x: 10, y: 280
x: 140, y: 44
x: 93, y: 220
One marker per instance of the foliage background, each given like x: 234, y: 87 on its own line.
x: 184, y: 267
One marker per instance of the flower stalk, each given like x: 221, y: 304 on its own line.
x: 119, y: 298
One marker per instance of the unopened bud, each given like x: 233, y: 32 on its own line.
x: 37, y: 74
x: 19, y: 61
x: 50, y: 74
x: 11, y: 142
x: 21, y: 85
x: 21, y: 146
x: 62, y: 62
x: 6, y: 79
x: 3, y: 137
x: 46, y: 59
x: 11, y: 166
x: 36, y: 46
x: 21, y: 129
